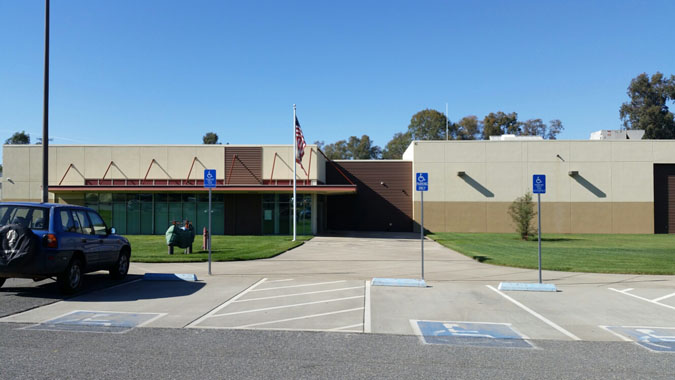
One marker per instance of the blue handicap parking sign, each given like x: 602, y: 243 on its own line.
x: 97, y: 321
x: 209, y: 177
x: 539, y: 184
x: 422, y: 181
x: 661, y: 339
x: 479, y: 334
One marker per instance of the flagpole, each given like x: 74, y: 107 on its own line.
x: 295, y: 164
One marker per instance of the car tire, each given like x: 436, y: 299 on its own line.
x: 70, y: 280
x: 121, y: 267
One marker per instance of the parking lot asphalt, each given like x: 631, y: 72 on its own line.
x: 325, y: 285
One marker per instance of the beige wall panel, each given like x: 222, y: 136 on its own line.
x: 429, y: 151
x: 589, y: 151
x: 160, y: 154
x: 663, y: 151
x: 498, y: 219
x: 505, y: 181
x: 633, y: 218
x: 592, y: 184
x: 555, y: 217
x: 180, y: 159
x: 17, y: 191
x: 97, y: 159
x: 437, y: 182
x: 459, y: 151
x: 35, y: 164
x: 462, y: 189
x: 128, y: 163
x: 63, y: 157
x: 546, y: 151
x: 434, y: 215
x: 631, y: 150
x: 591, y: 217
x: 557, y: 181
x: 466, y: 216
x: 509, y: 151
x: 212, y: 158
x: 16, y: 163
x: 320, y: 166
x: 632, y: 182
x: 283, y: 167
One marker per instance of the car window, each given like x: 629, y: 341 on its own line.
x: 98, y: 224
x: 82, y: 222
x: 67, y: 221
x: 31, y: 217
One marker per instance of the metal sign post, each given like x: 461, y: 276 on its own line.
x: 422, y: 182
x: 210, y: 183
x: 539, y: 188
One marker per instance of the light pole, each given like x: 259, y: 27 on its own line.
x: 45, y: 114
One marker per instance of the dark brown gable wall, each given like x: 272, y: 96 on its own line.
x: 664, y: 198
x: 243, y: 165
x: 383, y: 201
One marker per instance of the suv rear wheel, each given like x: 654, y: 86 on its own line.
x: 71, y: 278
x: 120, y: 269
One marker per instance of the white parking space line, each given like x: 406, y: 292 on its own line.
x: 284, y: 280
x: 298, y: 318
x: 284, y: 306
x: 224, y: 305
x: 298, y: 294
x: 537, y: 315
x: 663, y: 298
x: 606, y: 328
x: 299, y: 286
x: 347, y: 328
x: 655, y: 302
x: 366, y: 312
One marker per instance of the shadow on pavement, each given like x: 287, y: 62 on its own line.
x: 142, y: 290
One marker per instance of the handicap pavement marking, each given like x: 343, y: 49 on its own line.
x: 480, y: 334
x: 97, y: 321
x: 659, y: 339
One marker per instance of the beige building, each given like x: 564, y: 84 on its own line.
x: 601, y: 186
x: 594, y: 186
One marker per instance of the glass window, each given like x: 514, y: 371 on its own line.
x: 67, y: 221
x: 36, y: 218
x: 82, y: 224
x: 98, y: 224
x: 133, y: 214
x: 161, y: 214
x: 146, y: 214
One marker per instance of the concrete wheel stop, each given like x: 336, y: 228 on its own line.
x: 527, y: 287
x: 399, y: 282
x: 170, y: 277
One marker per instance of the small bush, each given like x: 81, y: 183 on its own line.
x: 522, y: 212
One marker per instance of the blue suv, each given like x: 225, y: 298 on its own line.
x: 43, y: 240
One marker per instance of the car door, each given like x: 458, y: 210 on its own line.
x: 92, y: 245
x: 109, y: 247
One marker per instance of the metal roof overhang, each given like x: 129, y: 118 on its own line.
x: 261, y: 189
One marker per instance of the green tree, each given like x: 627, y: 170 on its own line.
x: 647, y: 108
x: 336, y: 150
x: 522, y: 212
x: 353, y: 149
x: 396, y: 146
x: 554, y: 128
x: 533, y: 127
x: 210, y: 138
x: 500, y: 123
x: 19, y: 138
x: 468, y: 128
x: 427, y: 125
x: 363, y: 148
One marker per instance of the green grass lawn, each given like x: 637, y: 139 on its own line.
x: 639, y: 254
x: 153, y: 249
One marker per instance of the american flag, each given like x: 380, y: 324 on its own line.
x: 300, y: 143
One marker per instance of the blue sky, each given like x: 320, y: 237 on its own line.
x: 166, y: 72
